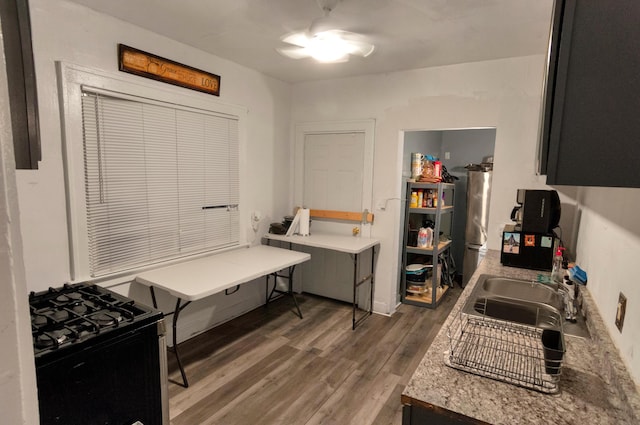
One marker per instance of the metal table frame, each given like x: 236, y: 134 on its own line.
x: 356, y: 283
x: 155, y: 279
x: 354, y: 248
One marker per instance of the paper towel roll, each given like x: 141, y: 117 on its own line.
x: 304, y: 222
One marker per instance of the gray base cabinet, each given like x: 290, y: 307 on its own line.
x: 421, y: 415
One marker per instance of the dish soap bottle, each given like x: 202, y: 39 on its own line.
x: 556, y: 268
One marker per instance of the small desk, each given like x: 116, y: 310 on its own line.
x: 353, y: 245
x: 197, y: 279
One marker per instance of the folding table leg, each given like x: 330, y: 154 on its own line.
x: 277, y: 291
x: 175, y: 313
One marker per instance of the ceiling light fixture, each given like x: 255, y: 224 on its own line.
x: 324, y: 44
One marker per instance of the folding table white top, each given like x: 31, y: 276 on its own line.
x: 196, y: 279
x: 341, y: 243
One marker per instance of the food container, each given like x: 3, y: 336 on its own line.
x: 288, y: 219
x: 416, y: 165
x: 417, y: 273
x: 418, y: 289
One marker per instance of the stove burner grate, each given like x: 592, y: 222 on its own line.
x: 53, y: 338
x: 62, y: 316
x: 104, y: 319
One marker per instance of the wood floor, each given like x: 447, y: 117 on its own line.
x: 270, y: 367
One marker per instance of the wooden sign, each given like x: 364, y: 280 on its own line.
x: 145, y: 64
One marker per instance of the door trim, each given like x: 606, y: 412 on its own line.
x: 356, y: 126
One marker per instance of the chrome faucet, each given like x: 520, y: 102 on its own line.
x: 568, y: 291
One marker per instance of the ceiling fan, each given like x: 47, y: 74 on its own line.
x: 323, y: 42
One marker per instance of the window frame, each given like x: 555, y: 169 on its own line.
x: 71, y: 79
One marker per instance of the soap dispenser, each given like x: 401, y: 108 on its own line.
x: 556, y: 269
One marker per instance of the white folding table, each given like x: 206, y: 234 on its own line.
x: 196, y: 279
x: 352, y: 245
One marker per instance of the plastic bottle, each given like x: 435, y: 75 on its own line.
x: 422, y: 238
x: 556, y: 268
x: 414, y: 200
x: 416, y: 165
x: 429, y: 236
x: 419, y: 198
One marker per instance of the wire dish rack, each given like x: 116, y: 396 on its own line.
x: 519, y: 354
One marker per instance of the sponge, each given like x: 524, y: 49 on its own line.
x: 578, y: 275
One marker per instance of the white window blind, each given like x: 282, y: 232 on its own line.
x: 161, y: 181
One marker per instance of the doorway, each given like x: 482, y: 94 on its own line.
x: 456, y: 148
x: 333, y: 171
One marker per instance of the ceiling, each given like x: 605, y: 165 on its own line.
x: 408, y: 34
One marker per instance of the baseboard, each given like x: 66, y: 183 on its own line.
x: 382, y: 308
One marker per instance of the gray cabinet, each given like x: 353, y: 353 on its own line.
x: 437, y: 254
x: 590, y: 127
x: 422, y: 414
x: 23, y: 103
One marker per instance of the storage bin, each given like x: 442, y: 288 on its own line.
x: 418, y: 273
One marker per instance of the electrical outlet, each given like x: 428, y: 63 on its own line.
x: 622, y: 308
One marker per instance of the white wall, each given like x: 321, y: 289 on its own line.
x: 608, y: 248
x: 504, y: 94
x: 18, y: 394
x: 67, y: 32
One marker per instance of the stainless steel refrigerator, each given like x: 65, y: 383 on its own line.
x: 478, y: 196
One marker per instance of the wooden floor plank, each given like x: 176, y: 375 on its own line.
x: 224, y: 372
x: 270, y: 367
x: 389, y: 414
x: 306, y: 404
x: 270, y: 393
x: 219, y: 399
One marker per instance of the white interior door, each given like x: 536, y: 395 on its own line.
x: 334, y: 171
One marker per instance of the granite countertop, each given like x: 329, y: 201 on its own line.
x: 595, y: 387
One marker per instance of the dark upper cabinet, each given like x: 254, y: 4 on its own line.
x: 23, y: 102
x: 590, y: 128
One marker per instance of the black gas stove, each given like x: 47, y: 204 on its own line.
x: 62, y: 317
x: 100, y: 357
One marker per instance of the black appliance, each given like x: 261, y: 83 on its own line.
x: 528, y: 250
x: 538, y: 211
x: 100, y: 358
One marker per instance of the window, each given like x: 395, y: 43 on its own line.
x: 161, y: 181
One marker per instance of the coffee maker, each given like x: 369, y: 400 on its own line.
x: 531, y: 242
x: 537, y: 210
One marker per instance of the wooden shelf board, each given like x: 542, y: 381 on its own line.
x: 426, y: 298
x: 441, y: 246
x: 418, y: 210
